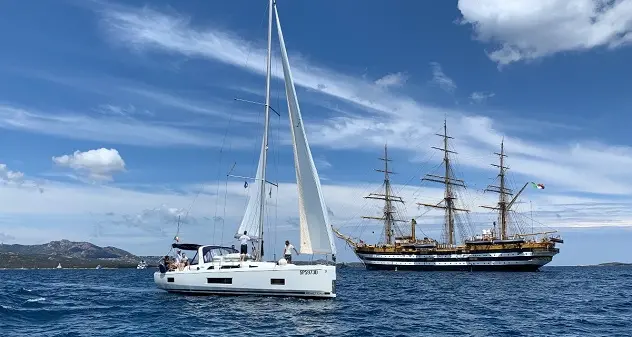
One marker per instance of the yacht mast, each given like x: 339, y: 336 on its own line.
x: 449, y: 182
x: 262, y: 196
x: 388, y: 198
x: 503, y: 192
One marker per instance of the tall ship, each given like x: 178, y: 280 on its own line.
x: 495, y: 249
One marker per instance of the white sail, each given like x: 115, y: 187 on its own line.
x: 315, y: 229
x: 250, y: 221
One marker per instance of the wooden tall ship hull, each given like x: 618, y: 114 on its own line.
x: 529, y: 256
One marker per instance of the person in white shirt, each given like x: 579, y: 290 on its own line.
x: 178, y: 259
x: 287, y: 252
x: 244, y: 245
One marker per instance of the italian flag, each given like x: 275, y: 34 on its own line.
x: 538, y: 186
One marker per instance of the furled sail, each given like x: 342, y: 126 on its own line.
x: 315, y: 229
x: 250, y: 221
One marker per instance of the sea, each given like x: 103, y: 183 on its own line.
x: 557, y: 301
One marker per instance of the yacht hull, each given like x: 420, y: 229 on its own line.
x: 252, y: 278
x: 508, y: 260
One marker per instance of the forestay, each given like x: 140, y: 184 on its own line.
x: 316, y: 233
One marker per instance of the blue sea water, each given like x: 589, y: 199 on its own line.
x: 558, y: 301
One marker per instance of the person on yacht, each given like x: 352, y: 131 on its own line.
x: 185, y: 260
x: 244, y: 245
x: 287, y: 252
x: 177, y: 259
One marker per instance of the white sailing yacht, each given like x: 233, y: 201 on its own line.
x: 218, y: 270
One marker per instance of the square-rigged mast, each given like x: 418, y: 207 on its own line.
x: 502, y: 191
x: 449, y: 182
x: 389, y: 198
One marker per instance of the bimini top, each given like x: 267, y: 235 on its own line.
x: 186, y: 246
x: 195, y: 246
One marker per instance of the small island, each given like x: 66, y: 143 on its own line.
x: 614, y: 264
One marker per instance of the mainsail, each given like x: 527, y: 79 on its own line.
x: 315, y: 229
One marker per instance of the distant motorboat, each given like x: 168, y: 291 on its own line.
x: 142, y: 265
x: 59, y: 266
x: 99, y: 267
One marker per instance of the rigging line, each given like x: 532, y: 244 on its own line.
x: 422, y: 166
x: 219, y: 166
x: 224, y: 213
x: 277, y: 160
x: 260, y: 24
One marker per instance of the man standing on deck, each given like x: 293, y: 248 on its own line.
x: 244, y: 245
x: 287, y: 252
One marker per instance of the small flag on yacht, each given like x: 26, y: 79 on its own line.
x: 538, y: 186
x: 245, y: 184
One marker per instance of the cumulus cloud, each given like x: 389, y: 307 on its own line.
x: 441, y: 79
x: 16, y: 179
x: 11, y: 177
x: 392, y: 80
x: 100, y: 164
x: 527, y: 30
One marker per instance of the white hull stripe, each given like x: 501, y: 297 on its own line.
x: 535, y: 261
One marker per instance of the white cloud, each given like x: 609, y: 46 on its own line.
x: 406, y: 123
x: 147, y: 29
x: 99, y: 164
x: 125, y: 217
x: 480, y: 96
x: 225, y: 112
x: 441, y: 79
x: 392, y: 80
x: 322, y: 163
x: 113, y: 130
x: 16, y: 179
x: 8, y: 176
x: 528, y: 30
x: 109, y: 109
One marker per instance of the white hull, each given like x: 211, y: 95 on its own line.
x: 252, y: 278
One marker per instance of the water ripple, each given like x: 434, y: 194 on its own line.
x: 562, y: 301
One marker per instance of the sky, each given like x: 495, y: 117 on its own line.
x: 119, y: 117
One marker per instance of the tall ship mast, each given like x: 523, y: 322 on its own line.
x: 495, y: 249
x: 389, y: 216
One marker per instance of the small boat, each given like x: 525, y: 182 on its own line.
x: 99, y: 267
x: 142, y: 265
x: 59, y: 266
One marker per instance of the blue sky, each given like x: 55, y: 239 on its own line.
x: 115, y: 117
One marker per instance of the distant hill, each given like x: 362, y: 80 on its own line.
x: 87, y: 255
x: 614, y: 264
x: 70, y: 254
